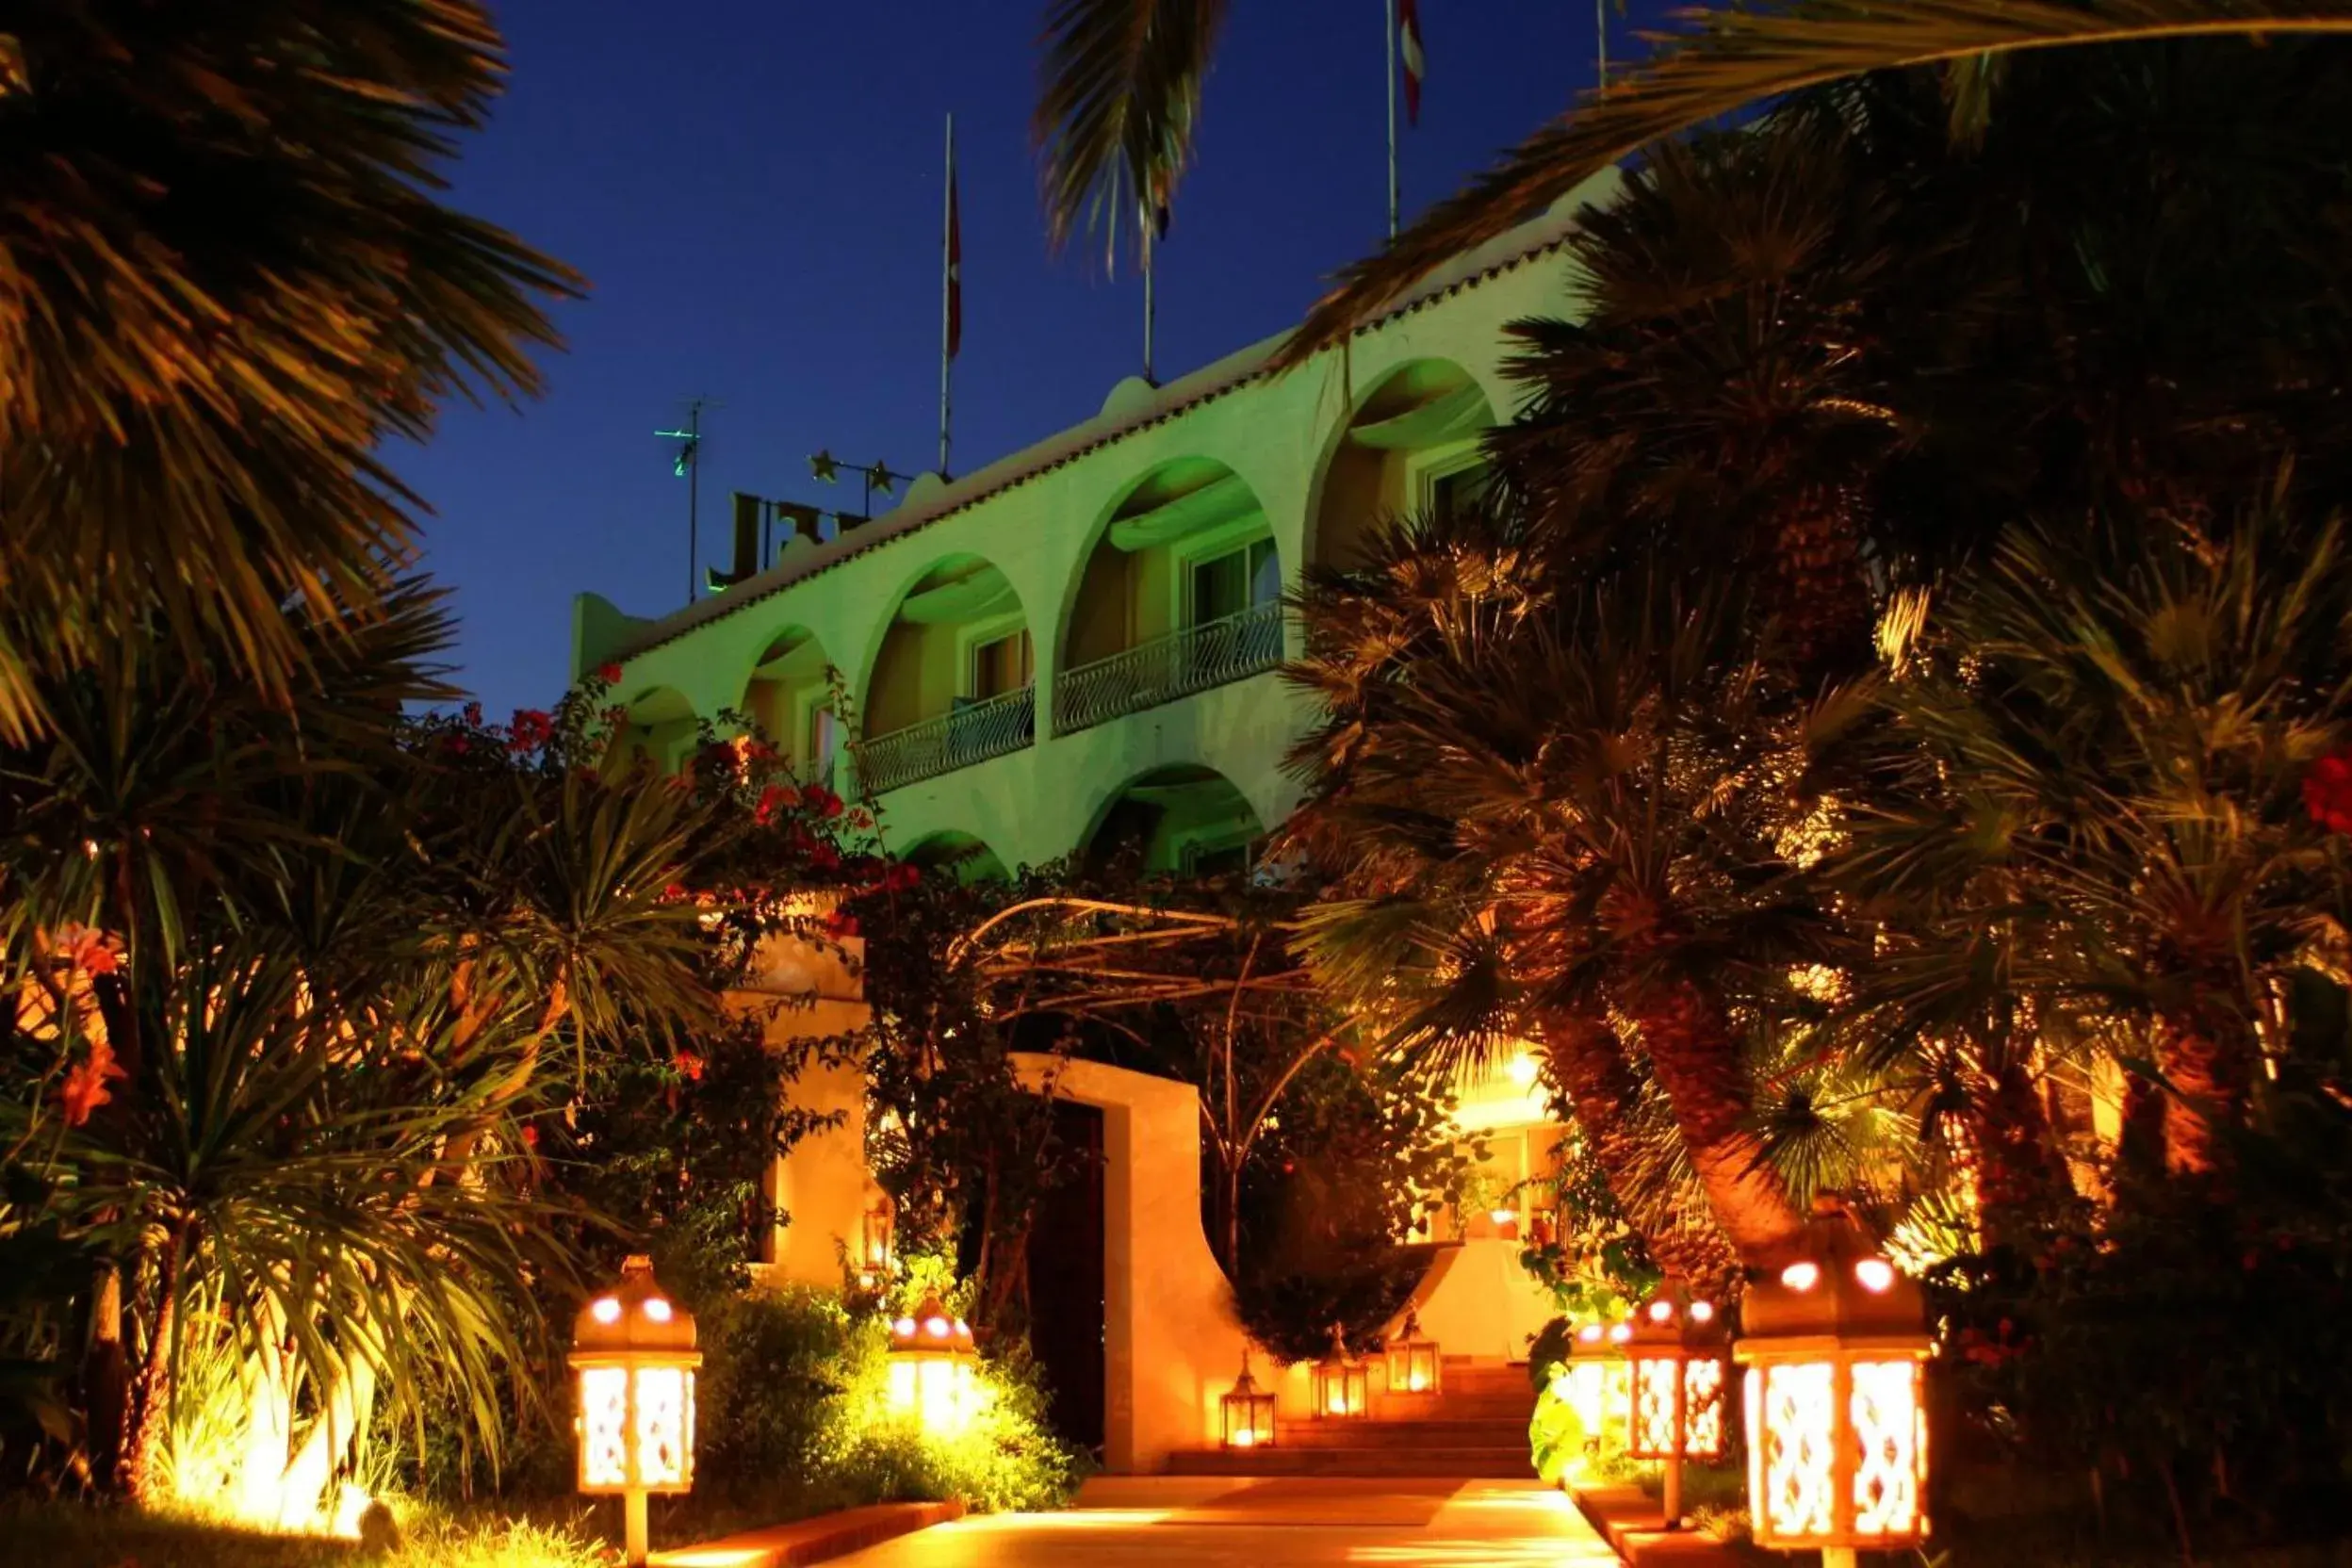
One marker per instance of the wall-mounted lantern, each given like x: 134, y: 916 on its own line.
x: 932, y: 1368
x: 877, y: 1255
x: 633, y: 1349
x: 1835, y: 1349
x: 1412, y: 1359
x: 1343, y: 1388
x: 1677, y: 1352
x: 1249, y: 1411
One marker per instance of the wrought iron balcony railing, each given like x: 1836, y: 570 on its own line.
x: 1168, y: 668
x: 971, y: 734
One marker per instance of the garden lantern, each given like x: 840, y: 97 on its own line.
x: 1675, y: 1349
x: 1249, y: 1411
x: 1342, y: 1386
x: 1835, y: 1349
x: 1412, y: 1359
x: 1598, y: 1377
x: 931, y: 1364
x: 635, y: 1350
x: 876, y: 1244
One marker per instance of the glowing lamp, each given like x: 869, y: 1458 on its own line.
x: 1343, y: 1387
x: 1249, y: 1411
x: 1598, y: 1380
x: 633, y: 1349
x: 1412, y: 1359
x: 1675, y: 1349
x: 876, y: 1249
x: 932, y: 1368
x: 1835, y: 1348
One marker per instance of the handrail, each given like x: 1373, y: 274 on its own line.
x: 1166, y: 668
x: 971, y: 734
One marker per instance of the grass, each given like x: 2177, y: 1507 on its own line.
x: 73, y: 1535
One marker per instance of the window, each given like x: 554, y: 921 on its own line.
x: 1000, y: 665
x: 1459, y: 490
x: 1239, y: 579
x: 1218, y: 857
x: 823, y: 732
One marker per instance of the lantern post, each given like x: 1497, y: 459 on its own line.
x: 633, y: 1349
x: 1675, y: 1353
x: 1413, y: 1363
x: 1835, y: 1349
x: 1342, y: 1387
x: 1248, y: 1411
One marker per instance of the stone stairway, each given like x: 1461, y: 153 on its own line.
x: 1478, y: 1427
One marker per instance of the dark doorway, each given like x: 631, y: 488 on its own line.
x: 1066, y: 1281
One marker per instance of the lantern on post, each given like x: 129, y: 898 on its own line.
x: 876, y: 1249
x: 931, y: 1368
x: 1835, y: 1349
x: 1675, y: 1352
x: 1412, y: 1359
x: 633, y: 1349
x: 1249, y: 1411
x: 1343, y: 1389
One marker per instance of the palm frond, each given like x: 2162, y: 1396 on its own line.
x: 1738, y: 57
x: 1116, y: 109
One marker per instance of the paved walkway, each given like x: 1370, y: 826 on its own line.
x: 1212, y: 1522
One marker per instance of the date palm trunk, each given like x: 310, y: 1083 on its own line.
x: 2020, y: 1176
x: 1696, y: 1056
x: 2207, y: 1058
x: 1590, y: 1067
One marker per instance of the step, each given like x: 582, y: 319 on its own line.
x: 1395, y: 1434
x: 1485, y: 1464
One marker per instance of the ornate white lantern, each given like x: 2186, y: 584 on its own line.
x: 633, y: 1349
x: 1835, y: 1349
x: 932, y: 1366
x: 1675, y: 1351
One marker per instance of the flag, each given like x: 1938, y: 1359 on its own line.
x: 954, y: 270
x: 1159, y: 205
x: 1409, y: 52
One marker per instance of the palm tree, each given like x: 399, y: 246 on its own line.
x: 230, y: 282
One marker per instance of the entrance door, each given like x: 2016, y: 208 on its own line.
x: 1066, y: 1282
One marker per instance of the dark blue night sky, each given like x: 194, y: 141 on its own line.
x: 752, y: 188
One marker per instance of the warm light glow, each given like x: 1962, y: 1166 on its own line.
x: 1661, y: 1312
x: 1589, y: 1333
x: 1522, y: 1070
x: 606, y: 1310
x: 1891, y: 1440
x: 1703, y: 1408
x: 937, y: 1328
x: 904, y: 1327
x: 665, y: 1425
x: 1502, y: 1217
x: 657, y: 1310
x: 935, y: 1388
x: 1620, y: 1333
x: 1656, y: 1381
x: 604, y: 1426
x: 1801, y: 1276
x: 1702, y: 1312
x: 1874, y: 1275
x: 1793, y: 1460
x: 1243, y: 1437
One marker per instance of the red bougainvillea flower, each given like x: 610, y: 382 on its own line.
x: 775, y: 798
x: 902, y: 877
x: 85, y: 1087
x: 673, y: 892
x: 617, y: 717
x: 609, y: 674
x: 529, y: 729
x: 530, y: 1137
x: 825, y: 858
x: 92, y: 952
x: 824, y: 802
x: 2328, y: 791
x: 840, y: 924
x: 691, y: 1065
x: 860, y: 819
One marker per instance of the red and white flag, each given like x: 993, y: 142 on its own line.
x: 954, y: 269
x: 1409, y: 54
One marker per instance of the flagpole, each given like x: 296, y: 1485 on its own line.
x: 1150, y: 304
x: 1390, y: 7
x: 1600, y: 28
x: 947, y: 297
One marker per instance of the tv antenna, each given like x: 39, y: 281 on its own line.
x: 689, y: 468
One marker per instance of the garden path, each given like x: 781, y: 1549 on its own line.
x: 1211, y: 1522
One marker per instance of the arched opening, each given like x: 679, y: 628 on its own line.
x: 1413, y: 445
x: 950, y: 680
x: 789, y: 696
x: 1181, y: 592
x: 967, y: 857
x: 660, y: 732
x: 1186, y: 821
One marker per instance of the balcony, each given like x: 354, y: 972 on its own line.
x: 1168, y: 668
x: 973, y: 733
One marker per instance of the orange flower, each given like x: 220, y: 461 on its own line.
x: 85, y: 1088
x: 691, y: 1065
x: 92, y: 952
